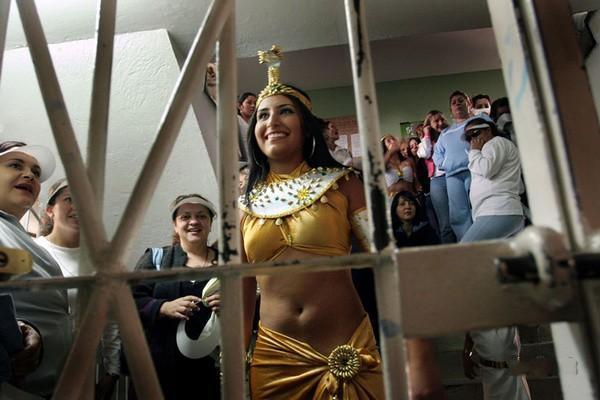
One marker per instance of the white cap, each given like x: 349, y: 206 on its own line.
x: 42, y: 155
x: 55, y: 188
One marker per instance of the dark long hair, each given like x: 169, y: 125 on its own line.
x: 396, y: 223
x: 241, y: 99
x: 312, y: 129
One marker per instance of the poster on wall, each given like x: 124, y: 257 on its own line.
x: 347, y: 126
x: 409, y: 128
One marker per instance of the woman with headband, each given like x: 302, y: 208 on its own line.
x: 314, y: 338
x: 180, y: 317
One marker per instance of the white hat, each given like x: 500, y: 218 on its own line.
x: 55, y: 188
x: 42, y: 155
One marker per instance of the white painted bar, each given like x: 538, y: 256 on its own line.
x: 98, y: 129
x: 386, y: 274
x: 4, y: 12
x: 82, y: 357
x: 189, y: 82
x: 232, y: 345
x: 545, y: 165
x: 135, y: 345
x: 91, y: 224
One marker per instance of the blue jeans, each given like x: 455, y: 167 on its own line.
x: 488, y: 227
x: 458, y: 200
x: 439, y: 200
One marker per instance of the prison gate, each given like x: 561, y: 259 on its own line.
x: 549, y: 273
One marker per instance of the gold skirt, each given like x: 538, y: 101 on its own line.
x: 285, y: 368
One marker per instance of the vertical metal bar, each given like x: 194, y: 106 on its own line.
x: 82, y: 355
x: 232, y: 345
x: 98, y: 129
x: 4, y: 12
x: 135, y: 345
x: 386, y: 277
x: 188, y: 83
x: 551, y: 191
x: 92, y: 226
x: 574, y: 132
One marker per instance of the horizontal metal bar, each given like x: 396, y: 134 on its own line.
x: 450, y: 289
x: 365, y: 260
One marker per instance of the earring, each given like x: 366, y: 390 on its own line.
x: 314, y: 145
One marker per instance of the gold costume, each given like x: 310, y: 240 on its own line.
x: 285, y: 368
x: 302, y: 210
x: 305, y: 211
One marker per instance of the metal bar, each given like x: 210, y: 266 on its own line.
x: 4, y: 13
x: 188, y: 83
x: 98, y: 129
x: 553, y: 198
x: 83, y: 352
x: 386, y: 282
x: 232, y: 344
x: 478, y: 302
x: 573, y: 121
x: 363, y: 260
x: 91, y: 224
x: 135, y: 345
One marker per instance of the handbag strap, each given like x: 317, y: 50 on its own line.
x: 157, y: 255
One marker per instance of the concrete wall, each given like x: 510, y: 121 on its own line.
x: 144, y: 73
x: 410, y: 99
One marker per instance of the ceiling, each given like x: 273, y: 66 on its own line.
x: 409, y: 38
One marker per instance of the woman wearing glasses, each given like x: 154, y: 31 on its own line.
x: 497, y: 213
x: 179, y: 316
x: 495, y: 182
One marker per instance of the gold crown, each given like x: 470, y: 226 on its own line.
x: 273, y: 57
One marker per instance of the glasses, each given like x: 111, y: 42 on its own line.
x: 473, y: 133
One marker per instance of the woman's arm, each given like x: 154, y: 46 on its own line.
x: 486, y: 159
x: 357, y: 212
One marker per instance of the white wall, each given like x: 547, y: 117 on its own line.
x: 144, y: 73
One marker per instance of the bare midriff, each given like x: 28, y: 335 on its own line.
x: 319, y: 308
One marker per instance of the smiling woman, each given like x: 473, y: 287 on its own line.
x: 300, y: 203
x: 180, y: 318
x: 43, y: 315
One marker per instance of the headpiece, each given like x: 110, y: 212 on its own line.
x: 273, y: 57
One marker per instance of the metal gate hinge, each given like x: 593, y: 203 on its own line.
x: 543, y: 259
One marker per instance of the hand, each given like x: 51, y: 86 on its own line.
x: 469, y: 366
x: 180, y: 308
x: 477, y: 143
x: 106, y: 386
x: 214, y: 302
x: 28, y: 359
x: 427, y: 132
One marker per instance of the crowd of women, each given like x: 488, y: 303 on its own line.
x: 298, y: 203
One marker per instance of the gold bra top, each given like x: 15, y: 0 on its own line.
x: 302, y: 210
